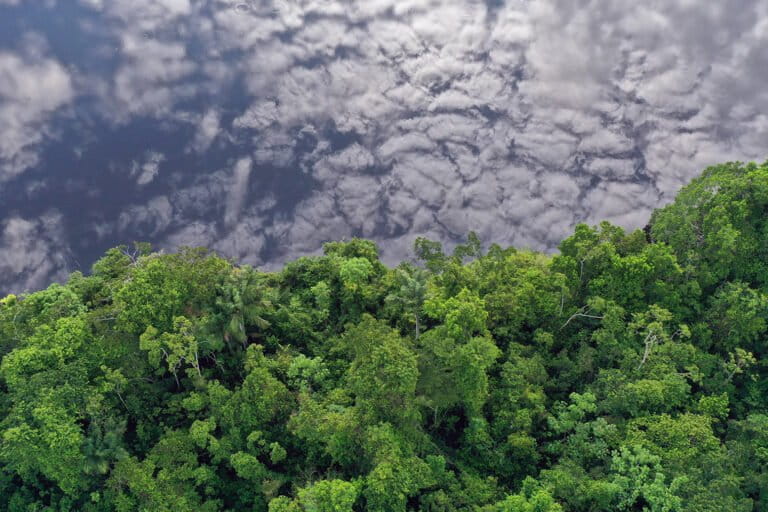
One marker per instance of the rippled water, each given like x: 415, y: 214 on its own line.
x: 263, y: 128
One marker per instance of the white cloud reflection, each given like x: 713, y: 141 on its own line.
x: 32, y: 88
x: 514, y: 119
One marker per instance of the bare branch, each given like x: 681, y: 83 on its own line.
x: 580, y: 315
x: 649, y: 341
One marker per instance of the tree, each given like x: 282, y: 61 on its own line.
x: 383, y: 374
x: 626, y: 373
x: 177, y: 349
x: 240, y: 306
x: 455, y: 356
x: 533, y: 498
x: 639, y: 478
x: 716, y: 225
x: 409, y: 295
x: 322, y: 496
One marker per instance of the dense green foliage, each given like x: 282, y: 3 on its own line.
x: 626, y: 373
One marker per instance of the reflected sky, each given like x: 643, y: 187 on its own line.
x: 263, y: 128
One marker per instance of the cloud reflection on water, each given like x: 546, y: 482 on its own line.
x: 274, y: 126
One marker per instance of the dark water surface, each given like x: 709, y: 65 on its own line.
x: 263, y: 128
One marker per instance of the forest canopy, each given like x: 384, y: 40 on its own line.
x: 626, y: 372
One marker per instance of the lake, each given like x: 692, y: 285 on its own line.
x: 263, y: 128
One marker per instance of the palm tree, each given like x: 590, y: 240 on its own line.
x: 103, y: 446
x: 411, y: 294
x: 240, y: 305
